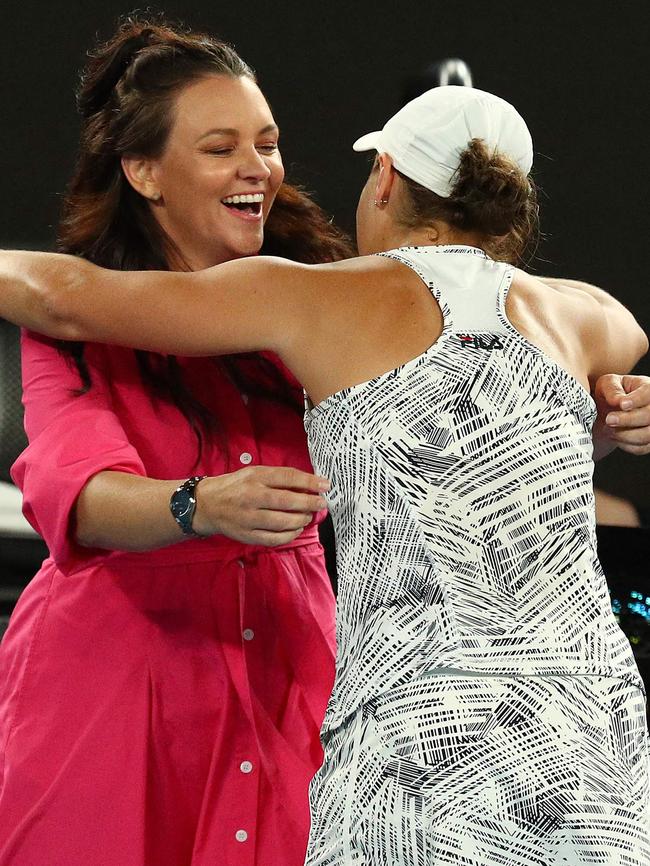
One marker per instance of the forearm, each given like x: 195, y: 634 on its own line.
x: 35, y: 288
x: 120, y: 511
x: 268, y: 505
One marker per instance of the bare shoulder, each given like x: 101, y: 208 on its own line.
x: 377, y: 272
x: 542, y: 291
x: 578, y: 317
x: 558, y: 305
x: 285, y: 274
x: 331, y: 290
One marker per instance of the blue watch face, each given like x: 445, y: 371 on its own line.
x: 183, y: 503
x: 182, y: 506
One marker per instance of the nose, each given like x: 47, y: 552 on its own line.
x: 253, y: 166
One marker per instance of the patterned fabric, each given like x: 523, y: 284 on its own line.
x: 487, y: 708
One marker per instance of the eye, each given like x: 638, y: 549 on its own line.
x: 268, y: 148
x: 220, y: 151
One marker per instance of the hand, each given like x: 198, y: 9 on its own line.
x: 623, y: 414
x: 268, y: 505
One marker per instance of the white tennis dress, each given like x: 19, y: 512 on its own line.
x: 487, y: 709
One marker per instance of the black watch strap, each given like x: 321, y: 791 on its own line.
x: 183, y: 504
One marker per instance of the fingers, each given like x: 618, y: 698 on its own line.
x: 623, y: 392
x: 637, y: 392
x: 289, y: 500
x: 628, y: 425
x: 632, y: 419
x: 638, y: 450
x: 274, y: 539
x: 635, y: 441
x: 281, y: 521
x: 609, y: 389
x: 286, y: 477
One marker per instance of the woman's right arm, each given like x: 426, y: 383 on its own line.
x: 268, y: 505
x: 84, y: 484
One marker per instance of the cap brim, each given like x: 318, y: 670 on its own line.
x: 369, y: 141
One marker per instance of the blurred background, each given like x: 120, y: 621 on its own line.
x: 578, y: 73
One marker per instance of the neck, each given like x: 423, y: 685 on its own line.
x: 436, y: 234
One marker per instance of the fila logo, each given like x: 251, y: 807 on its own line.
x: 478, y: 342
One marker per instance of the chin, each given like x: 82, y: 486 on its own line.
x: 239, y: 248
x: 251, y: 249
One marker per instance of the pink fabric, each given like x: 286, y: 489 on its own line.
x: 157, y: 708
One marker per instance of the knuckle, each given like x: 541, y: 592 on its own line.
x: 268, y: 499
x: 277, y: 522
x: 282, y: 501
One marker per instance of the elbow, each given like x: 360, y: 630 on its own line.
x: 56, y: 302
x: 638, y: 342
x: 50, y: 316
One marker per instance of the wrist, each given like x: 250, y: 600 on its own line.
x: 183, y: 503
x: 205, y: 521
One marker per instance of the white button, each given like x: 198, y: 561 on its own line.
x: 240, y: 563
x: 246, y: 767
x: 244, y: 398
x: 241, y: 835
x: 245, y: 458
x: 249, y: 634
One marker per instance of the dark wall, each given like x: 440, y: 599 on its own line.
x: 334, y: 71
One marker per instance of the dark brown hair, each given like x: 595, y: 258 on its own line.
x: 125, y: 99
x: 490, y: 196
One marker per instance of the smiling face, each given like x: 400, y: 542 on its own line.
x: 219, y: 172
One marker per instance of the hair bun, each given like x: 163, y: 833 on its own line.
x: 491, y: 189
x: 108, y: 68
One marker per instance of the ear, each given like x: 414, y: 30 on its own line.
x: 385, y: 179
x: 141, y: 174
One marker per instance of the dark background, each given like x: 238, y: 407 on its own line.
x: 578, y: 74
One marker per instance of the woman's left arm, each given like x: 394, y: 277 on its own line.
x: 244, y: 305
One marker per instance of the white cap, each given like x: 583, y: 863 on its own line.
x: 427, y: 136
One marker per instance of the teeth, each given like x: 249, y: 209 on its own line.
x: 254, y: 198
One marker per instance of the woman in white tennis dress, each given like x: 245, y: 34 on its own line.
x: 487, y: 709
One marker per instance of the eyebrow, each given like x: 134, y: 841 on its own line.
x: 271, y: 127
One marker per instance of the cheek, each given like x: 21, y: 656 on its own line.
x: 277, y: 173
x: 275, y: 179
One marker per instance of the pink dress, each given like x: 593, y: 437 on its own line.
x: 158, y: 708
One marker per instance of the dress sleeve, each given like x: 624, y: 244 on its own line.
x: 71, y: 438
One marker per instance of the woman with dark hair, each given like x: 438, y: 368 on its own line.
x: 487, y: 708
x: 161, y: 702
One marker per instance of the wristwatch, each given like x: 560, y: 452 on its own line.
x: 183, y: 505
